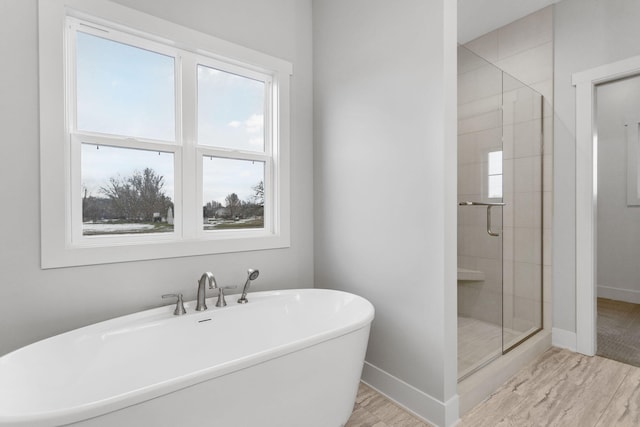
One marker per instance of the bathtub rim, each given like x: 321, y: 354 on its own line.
x: 96, y: 408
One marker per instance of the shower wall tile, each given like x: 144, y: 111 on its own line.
x: 519, y: 65
x: 479, y: 301
x: 468, y: 182
x: 508, y: 243
x: 480, y: 122
x: 528, y: 209
x: 524, y: 49
x: 508, y: 175
x: 527, y: 245
x: 527, y: 313
x: 492, y: 268
x: 466, y: 148
x: 527, y: 279
x: 547, y: 170
x: 508, y: 217
x: 525, y: 33
x: 468, y: 62
x: 524, y: 174
x: 520, y: 103
x: 480, y: 83
x: 507, y: 276
x: 507, y: 143
x: 547, y: 210
x: 547, y: 288
x: 467, y: 262
x: 471, y: 216
x: 547, y: 244
x: 527, y: 138
x: 486, y: 46
x: 545, y: 88
x: 547, y: 308
x: 479, y: 106
x: 487, y: 141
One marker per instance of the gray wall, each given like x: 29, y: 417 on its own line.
x: 587, y: 33
x: 385, y: 183
x: 37, y: 303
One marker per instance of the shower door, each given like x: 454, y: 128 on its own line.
x: 522, y: 223
x: 480, y: 211
x: 499, y: 213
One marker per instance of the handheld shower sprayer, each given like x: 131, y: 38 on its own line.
x: 251, y: 275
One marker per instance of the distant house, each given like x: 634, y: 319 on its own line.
x: 170, y: 216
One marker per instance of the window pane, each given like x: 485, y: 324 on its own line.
x: 495, y: 162
x: 230, y: 110
x: 233, y: 193
x: 126, y: 191
x: 124, y: 90
x: 495, y: 186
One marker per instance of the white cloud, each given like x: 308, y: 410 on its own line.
x: 235, y: 124
x: 254, y: 124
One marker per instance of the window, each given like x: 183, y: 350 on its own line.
x: 494, y: 183
x: 632, y: 126
x: 163, y: 150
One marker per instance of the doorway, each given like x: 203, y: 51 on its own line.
x: 618, y: 220
x: 586, y: 193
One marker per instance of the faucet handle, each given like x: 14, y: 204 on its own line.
x: 221, y: 301
x: 179, y: 311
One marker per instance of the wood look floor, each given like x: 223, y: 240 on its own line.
x: 560, y: 388
x: 374, y: 410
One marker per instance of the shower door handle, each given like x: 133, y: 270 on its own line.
x: 489, y: 206
x: 489, y: 232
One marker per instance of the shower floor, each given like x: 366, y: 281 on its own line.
x: 480, y: 342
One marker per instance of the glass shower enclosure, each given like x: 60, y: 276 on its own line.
x: 499, y: 212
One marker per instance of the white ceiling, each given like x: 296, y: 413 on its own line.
x: 478, y: 17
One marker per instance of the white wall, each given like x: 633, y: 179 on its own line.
x: 587, y: 33
x: 37, y: 303
x: 385, y: 186
x: 618, y: 224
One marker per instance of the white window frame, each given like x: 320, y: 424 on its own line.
x: 632, y: 125
x: 62, y: 243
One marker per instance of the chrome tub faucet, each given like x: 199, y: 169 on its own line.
x: 207, y: 276
x: 179, y: 311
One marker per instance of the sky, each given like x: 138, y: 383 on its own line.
x: 128, y: 91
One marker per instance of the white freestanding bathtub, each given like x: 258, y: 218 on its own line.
x: 287, y: 358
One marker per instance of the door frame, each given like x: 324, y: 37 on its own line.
x: 587, y: 194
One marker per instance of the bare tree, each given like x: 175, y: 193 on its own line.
x: 258, y: 197
x: 138, y: 196
x: 233, y: 204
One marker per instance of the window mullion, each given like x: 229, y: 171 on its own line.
x: 190, y: 171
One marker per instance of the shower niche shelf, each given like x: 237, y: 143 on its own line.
x: 467, y: 275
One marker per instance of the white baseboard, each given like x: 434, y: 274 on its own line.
x: 564, y: 339
x: 618, y: 294
x: 419, y: 403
